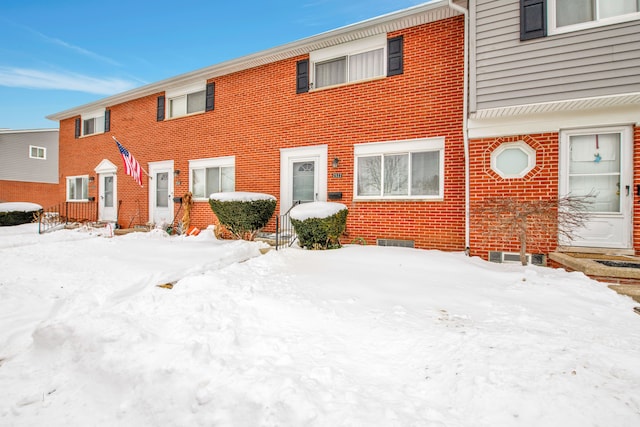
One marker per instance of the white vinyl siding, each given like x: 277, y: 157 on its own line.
x: 209, y: 176
x: 400, y: 169
x: 349, y: 62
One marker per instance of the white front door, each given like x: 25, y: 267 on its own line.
x: 107, y: 191
x: 161, y: 193
x: 107, y: 205
x: 303, y: 175
x: 599, y: 162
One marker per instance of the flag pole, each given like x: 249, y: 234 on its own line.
x: 143, y: 170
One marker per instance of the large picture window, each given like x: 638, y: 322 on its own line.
x: 568, y: 15
x: 400, y: 169
x: 211, y: 176
x: 78, y: 188
x: 349, y: 62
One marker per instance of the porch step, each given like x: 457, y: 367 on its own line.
x: 621, y: 271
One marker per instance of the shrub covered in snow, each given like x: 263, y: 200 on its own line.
x: 16, y: 213
x: 243, y: 214
x: 319, y: 225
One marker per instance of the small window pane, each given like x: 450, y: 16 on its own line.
x: 569, y: 12
x: 178, y: 106
x: 195, y: 102
x: 396, y: 175
x: 197, y: 183
x: 162, y: 190
x: 512, y: 161
x: 369, y: 176
x: 609, y: 8
x: 108, y: 191
x: 89, y: 126
x: 228, y: 179
x: 366, y: 65
x: 213, y: 180
x: 425, y: 173
x: 331, y: 72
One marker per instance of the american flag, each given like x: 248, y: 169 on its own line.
x: 131, y: 165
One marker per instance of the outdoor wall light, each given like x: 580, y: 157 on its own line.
x: 92, y: 178
x: 335, y: 162
x: 176, y: 172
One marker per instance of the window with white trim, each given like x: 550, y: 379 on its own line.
x: 513, y: 159
x: 409, y: 169
x: 349, y: 62
x: 571, y: 15
x: 78, y: 188
x: 36, y: 152
x: 93, y: 123
x: 208, y: 176
x: 186, y: 100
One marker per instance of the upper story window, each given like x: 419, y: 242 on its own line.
x: 186, y: 100
x: 93, y: 123
x: 349, y: 62
x: 211, y: 176
x: 572, y: 15
x: 37, y: 152
x: 77, y: 188
x: 412, y: 169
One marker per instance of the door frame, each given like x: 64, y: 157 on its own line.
x: 317, y: 153
x: 626, y: 181
x: 103, y: 169
x: 155, y: 167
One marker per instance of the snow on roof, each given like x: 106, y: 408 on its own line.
x: 19, y: 207
x: 316, y: 210
x: 240, y: 196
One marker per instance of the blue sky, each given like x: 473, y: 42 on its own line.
x: 56, y: 55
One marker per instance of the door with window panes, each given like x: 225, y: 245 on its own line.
x: 599, y: 163
x: 161, y: 206
x: 107, y: 204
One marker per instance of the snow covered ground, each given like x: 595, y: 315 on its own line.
x: 359, y: 336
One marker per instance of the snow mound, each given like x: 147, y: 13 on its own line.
x: 19, y: 207
x: 316, y: 210
x: 240, y: 196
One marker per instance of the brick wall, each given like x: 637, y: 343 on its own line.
x: 45, y: 195
x: 539, y: 184
x: 634, y: 189
x: 257, y: 112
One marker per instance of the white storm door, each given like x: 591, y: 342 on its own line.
x: 107, y: 205
x: 161, y: 193
x: 303, y: 175
x: 599, y: 162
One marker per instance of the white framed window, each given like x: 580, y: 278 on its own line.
x: 349, y: 62
x: 409, y: 169
x: 573, y: 15
x: 186, y: 100
x: 36, y: 152
x: 93, y: 123
x: 208, y: 176
x: 78, y: 188
x: 513, y: 159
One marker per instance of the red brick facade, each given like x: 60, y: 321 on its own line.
x: 45, y: 195
x: 257, y: 112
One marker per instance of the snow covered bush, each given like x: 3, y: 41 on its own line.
x: 16, y: 213
x: 243, y: 214
x: 319, y: 225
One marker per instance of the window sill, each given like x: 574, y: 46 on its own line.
x: 92, y: 134
x: 186, y: 115
x: 355, y: 82
x: 400, y: 199
x: 594, y: 24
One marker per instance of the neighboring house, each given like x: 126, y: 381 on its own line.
x: 554, y: 108
x: 370, y: 115
x: 29, y: 166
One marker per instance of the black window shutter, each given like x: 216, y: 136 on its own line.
x: 107, y: 120
x: 160, y: 112
x: 533, y: 19
x: 302, y: 76
x: 395, y: 61
x: 78, y: 128
x: 210, y: 100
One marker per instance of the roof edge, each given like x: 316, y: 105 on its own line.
x: 288, y: 50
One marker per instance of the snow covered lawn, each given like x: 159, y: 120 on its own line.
x: 359, y: 336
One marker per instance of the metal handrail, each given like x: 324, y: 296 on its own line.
x: 65, y: 213
x: 283, y: 224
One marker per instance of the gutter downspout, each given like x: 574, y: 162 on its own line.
x: 465, y: 131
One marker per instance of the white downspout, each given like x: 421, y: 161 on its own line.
x: 465, y: 132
